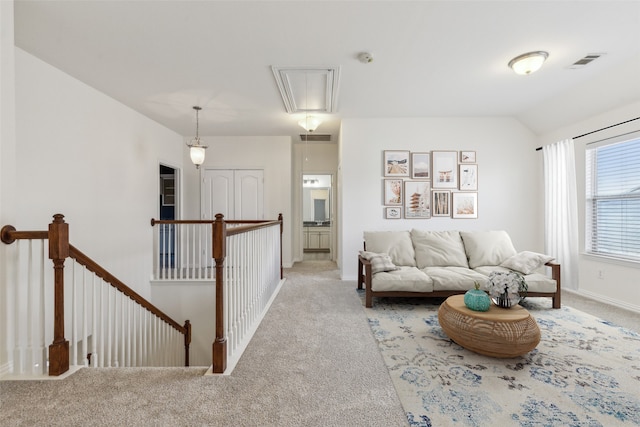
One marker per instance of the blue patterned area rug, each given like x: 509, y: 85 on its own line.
x: 584, y: 371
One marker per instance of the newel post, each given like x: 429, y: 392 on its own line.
x: 281, y: 231
x: 219, y: 253
x: 58, y: 252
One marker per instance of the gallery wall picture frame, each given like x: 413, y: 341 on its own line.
x: 421, y: 165
x: 441, y: 204
x: 393, y: 212
x: 392, y: 192
x: 444, y: 169
x: 464, y: 205
x: 417, y: 199
x: 467, y: 157
x: 396, y: 163
x: 468, y: 177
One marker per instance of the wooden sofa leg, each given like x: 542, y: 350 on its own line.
x: 368, y: 299
x: 556, y: 301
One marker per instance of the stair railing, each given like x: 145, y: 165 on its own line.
x: 111, y: 325
x: 243, y: 258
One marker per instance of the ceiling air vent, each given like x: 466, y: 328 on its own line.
x: 315, y: 137
x: 583, y: 62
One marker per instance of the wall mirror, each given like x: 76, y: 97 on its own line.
x: 316, y: 193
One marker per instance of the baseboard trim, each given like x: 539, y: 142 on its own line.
x: 44, y: 377
x: 603, y: 299
x: 6, y: 369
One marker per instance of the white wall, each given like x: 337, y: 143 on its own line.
x: 87, y: 156
x: 270, y: 153
x: 509, y: 177
x: 7, y: 170
x: 619, y: 282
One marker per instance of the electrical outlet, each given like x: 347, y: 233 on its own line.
x: 600, y: 274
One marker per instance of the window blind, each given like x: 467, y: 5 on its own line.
x: 613, y: 200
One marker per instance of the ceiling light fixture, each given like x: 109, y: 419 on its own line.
x: 196, y: 149
x: 528, y: 63
x: 309, y: 123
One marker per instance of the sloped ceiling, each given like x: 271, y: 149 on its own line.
x: 431, y: 58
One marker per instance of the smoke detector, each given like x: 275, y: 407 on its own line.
x: 365, y: 57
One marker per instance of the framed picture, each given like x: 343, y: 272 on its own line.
x: 441, y: 205
x: 468, y: 177
x: 465, y: 205
x: 467, y: 157
x: 396, y: 163
x: 393, y: 213
x: 421, y: 165
x: 444, y: 169
x: 392, y: 192
x: 417, y: 199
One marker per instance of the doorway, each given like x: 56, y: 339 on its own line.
x: 317, y: 217
x: 168, y: 202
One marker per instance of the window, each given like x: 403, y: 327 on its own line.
x: 613, y: 200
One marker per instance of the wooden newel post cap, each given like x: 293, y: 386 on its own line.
x: 58, y: 238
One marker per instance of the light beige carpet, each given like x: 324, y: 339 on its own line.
x: 312, y: 362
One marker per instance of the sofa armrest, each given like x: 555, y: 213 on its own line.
x: 555, y: 275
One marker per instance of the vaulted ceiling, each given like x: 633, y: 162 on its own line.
x: 430, y: 58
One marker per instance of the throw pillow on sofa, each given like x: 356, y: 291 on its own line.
x: 487, y: 247
x: 397, y: 244
x: 379, y: 262
x: 438, y: 249
x: 526, y: 262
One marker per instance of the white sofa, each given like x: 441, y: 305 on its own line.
x: 420, y: 263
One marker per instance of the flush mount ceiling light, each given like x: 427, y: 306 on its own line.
x: 196, y: 149
x: 528, y: 63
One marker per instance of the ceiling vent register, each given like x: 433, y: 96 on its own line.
x: 583, y: 62
x: 315, y: 137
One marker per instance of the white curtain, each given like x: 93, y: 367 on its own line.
x: 561, y: 209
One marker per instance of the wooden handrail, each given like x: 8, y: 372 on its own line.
x: 9, y: 235
x: 99, y: 271
x: 59, y: 250
x: 255, y: 225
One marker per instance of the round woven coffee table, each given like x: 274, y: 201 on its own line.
x: 499, y: 332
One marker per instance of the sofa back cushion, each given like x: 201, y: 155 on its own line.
x: 438, y: 249
x: 395, y: 243
x: 487, y: 247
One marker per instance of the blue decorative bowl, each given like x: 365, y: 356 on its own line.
x: 477, y: 300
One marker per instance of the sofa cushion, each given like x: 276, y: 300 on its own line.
x: 408, y: 279
x: 379, y: 262
x: 395, y: 243
x: 487, y: 247
x: 526, y: 262
x: 536, y: 282
x: 438, y: 249
x: 454, y: 278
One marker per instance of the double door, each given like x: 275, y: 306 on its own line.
x: 235, y: 193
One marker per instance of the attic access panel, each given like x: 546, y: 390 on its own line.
x: 308, y: 89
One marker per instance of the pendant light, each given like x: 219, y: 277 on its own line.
x: 196, y: 149
x: 309, y: 123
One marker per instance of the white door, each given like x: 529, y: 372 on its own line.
x: 236, y: 194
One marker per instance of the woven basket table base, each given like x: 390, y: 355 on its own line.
x: 499, y: 332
